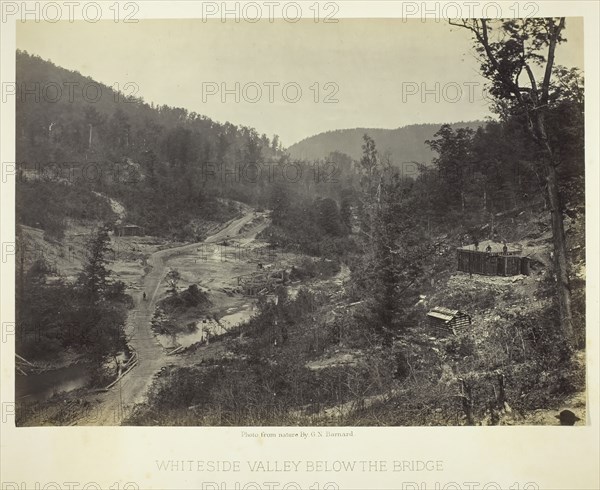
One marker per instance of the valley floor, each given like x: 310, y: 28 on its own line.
x: 319, y: 368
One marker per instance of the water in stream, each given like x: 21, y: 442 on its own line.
x: 208, y: 327
x: 39, y: 387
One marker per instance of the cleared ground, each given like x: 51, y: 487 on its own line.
x: 111, y: 407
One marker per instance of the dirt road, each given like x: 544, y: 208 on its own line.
x: 111, y: 407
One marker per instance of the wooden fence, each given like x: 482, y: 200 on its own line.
x: 491, y: 264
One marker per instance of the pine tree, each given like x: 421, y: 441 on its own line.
x: 93, y: 279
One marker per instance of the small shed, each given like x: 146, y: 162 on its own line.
x: 129, y: 230
x: 446, y: 319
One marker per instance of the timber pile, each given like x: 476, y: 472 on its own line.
x: 261, y: 281
x: 21, y: 364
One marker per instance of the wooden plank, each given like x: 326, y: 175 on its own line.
x: 23, y: 359
x: 514, y: 266
x: 525, y: 266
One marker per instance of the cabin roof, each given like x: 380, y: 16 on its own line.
x: 128, y: 226
x: 444, y: 314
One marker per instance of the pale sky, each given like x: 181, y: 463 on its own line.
x: 372, y: 65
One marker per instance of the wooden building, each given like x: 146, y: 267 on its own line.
x: 490, y: 259
x: 447, y: 320
x: 129, y: 230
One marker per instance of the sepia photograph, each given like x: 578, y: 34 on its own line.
x: 300, y: 222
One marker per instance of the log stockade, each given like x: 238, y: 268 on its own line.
x: 491, y: 264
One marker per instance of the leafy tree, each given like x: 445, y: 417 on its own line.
x: 94, y: 120
x: 253, y: 148
x: 99, y: 315
x: 173, y: 277
x: 369, y: 161
x: 511, y: 51
x: 280, y: 203
x: 346, y: 209
x: 119, y: 129
x: 93, y: 279
x: 178, y: 146
x: 396, y: 247
x: 328, y: 216
x: 454, y: 160
x: 275, y: 144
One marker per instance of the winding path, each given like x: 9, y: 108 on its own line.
x: 113, y: 406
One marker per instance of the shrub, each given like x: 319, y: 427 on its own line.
x: 310, y: 269
x: 192, y: 297
x: 460, y: 346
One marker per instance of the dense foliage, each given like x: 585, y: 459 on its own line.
x: 166, y: 165
x: 89, y: 315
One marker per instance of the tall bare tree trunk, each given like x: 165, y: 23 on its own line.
x: 561, y: 267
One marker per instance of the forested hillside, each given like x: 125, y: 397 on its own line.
x: 404, y: 144
x: 162, y: 163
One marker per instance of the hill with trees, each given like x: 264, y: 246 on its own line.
x: 76, y: 136
x: 404, y: 144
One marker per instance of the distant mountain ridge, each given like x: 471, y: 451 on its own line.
x: 405, y: 144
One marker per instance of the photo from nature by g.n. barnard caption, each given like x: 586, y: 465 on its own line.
x: 367, y: 222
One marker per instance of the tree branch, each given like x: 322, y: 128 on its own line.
x: 553, y: 38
